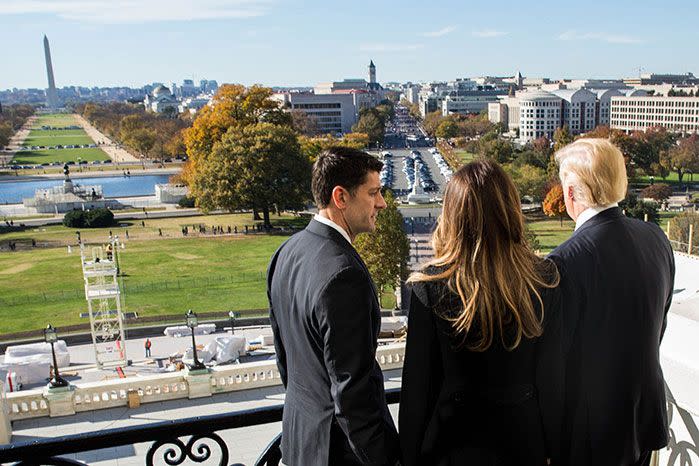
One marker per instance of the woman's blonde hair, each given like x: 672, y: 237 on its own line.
x: 481, y: 252
x: 595, y: 169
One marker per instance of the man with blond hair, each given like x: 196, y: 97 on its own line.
x: 601, y: 387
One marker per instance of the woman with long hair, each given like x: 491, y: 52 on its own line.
x: 468, y: 395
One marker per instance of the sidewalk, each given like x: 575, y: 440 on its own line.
x: 116, y: 153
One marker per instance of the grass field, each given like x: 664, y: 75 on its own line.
x: 671, y: 179
x: 37, y: 157
x: 59, y: 120
x: 164, y: 275
x: 47, y: 138
x: 464, y: 156
x: 57, y: 137
x: 550, y: 233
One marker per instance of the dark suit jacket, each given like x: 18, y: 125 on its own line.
x: 326, y: 318
x: 460, y: 407
x: 600, y: 381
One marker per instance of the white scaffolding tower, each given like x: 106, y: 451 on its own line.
x: 103, y: 296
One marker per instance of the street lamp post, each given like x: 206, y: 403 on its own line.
x: 50, y: 337
x: 231, y: 316
x: 192, y: 323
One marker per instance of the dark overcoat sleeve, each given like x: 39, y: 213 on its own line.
x: 344, y: 314
x: 419, y: 390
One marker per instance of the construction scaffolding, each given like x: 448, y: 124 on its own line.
x: 100, y: 270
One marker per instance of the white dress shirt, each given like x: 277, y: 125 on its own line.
x: 590, y: 212
x: 330, y: 223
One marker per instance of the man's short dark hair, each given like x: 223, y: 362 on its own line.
x: 340, y: 166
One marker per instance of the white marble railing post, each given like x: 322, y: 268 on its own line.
x: 5, y: 425
x: 92, y: 396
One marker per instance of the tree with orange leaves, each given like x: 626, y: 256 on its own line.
x: 554, y: 203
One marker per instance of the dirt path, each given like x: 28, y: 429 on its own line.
x: 114, y: 151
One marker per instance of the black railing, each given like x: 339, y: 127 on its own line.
x: 200, y: 447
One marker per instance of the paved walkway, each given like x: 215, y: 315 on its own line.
x: 114, y: 151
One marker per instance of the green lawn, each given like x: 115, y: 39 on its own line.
x: 48, y: 138
x: 550, y: 233
x: 464, y: 156
x: 37, y: 157
x: 671, y: 179
x: 57, y: 137
x: 164, y: 275
x: 59, y: 120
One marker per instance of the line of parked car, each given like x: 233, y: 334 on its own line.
x: 67, y: 146
x: 414, y: 161
x: 386, y: 175
x: 444, y: 168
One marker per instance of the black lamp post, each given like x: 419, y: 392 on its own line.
x: 192, y: 323
x: 51, y: 338
x: 231, y: 316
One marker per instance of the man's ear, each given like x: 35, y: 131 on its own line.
x: 339, y: 197
x: 570, y: 192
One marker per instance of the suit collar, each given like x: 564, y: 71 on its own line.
x: 612, y: 213
x: 326, y: 231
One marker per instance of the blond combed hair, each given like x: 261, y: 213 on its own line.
x: 595, y: 168
x: 481, y: 252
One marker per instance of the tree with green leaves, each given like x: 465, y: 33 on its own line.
x: 387, y: 249
x: 447, y: 129
x: 683, y: 157
x: 5, y: 133
x: 493, y: 147
x: 529, y: 180
x: 432, y: 121
x: 370, y: 123
x: 258, y: 166
x: 640, y: 210
x: 561, y: 137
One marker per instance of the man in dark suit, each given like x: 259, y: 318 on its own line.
x: 325, y: 317
x: 601, y: 387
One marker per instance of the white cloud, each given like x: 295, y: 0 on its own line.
x: 486, y: 33
x: 439, y: 33
x: 390, y: 47
x: 138, y: 11
x: 600, y: 36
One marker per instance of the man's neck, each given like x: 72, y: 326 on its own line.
x: 338, y: 219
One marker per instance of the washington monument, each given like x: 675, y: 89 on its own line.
x: 51, y: 97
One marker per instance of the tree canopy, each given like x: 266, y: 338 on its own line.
x: 683, y: 157
x: 258, y: 166
x: 554, y: 204
x: 387, y: 249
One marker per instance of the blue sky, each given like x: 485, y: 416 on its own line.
x: 296, y: 43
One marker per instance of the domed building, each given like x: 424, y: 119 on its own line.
x: 159, y: 99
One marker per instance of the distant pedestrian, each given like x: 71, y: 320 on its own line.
x: 143, y: 224
x: 127, y: 234
x: 160, y: 232
x: 147, y: 346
